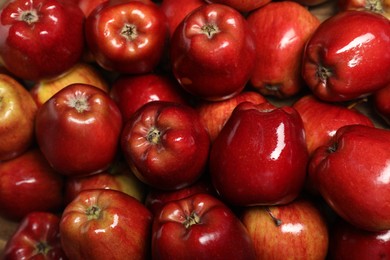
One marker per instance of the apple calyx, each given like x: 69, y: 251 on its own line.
x: 93, y: 212
x: 154, y: 136
x: 192, y: 219
x: 30, y: 16
x: 374, y: 6
x: 42, y: 248
x: 210, y: 30
x: 129, y: 31
x: 78, y: 101
x: 333, y: 147
x: 323, y: 73
x: 277, y: 221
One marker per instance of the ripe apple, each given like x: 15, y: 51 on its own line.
x: 199, y: 227
x: 130, y: 92
x: 346, y: 58
x: 105, y: 223
x: 320, y: 129
x: 380, y: 102
x: 351, y: 173
x: 78, y: 130
x: 260, y: 156
x: 41, y: 38
x: 82, y: 72
x: 37, y: 237
x: 27, y: 184
x: 242, y: 6
x: 349, y: 242
x: 297, y: 230
x: 212, y: 52
x: 280, y: 40
x: 214, y: 114
x: 177, y: 10
x: 17, y: 117
x: 87, y: 6
x: 166, y: 145
x: 378, y: 6
x: 127, y: 36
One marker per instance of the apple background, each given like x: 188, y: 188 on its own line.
x: 103, y: 78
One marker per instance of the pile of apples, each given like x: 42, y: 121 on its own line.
x: 195, y: 129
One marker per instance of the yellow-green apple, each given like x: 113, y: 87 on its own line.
x: 127, y: 36
x: 352, y: 174
x: 260, y: 156
x: 212, y: 52
x: 242, y: 6
x: 37, y: 236
x: 106, y: 223
x: 78, y: 130
x: 17, y: 117
x: 130, y: 92
x: 117, y: 177
x: 349, y: 242
x: 378, y: 6
x: 41, y: 38
x: 199, y: 227
x: 297, y: 230
x: 166, y: 145
x: 280, y: 40
x: 320, y: 129
x: 85, y: 73
x: 214, y: 114
x: 27, y: 184
x: 346, y: 56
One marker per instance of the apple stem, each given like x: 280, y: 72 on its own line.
x: 154, y: 136
x: 360, y: 101
x: 192, y: 219
x: 276, y: 220
x: 129, y: 31
x: 210, y: 30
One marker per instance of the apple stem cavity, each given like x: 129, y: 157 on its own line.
x: 276, y: 220
x: 210, y: 30
x: 29, y: 17
x: 129, y: 31
x: 93, y: 212
x: 192, y: 219
x: 154, y: 136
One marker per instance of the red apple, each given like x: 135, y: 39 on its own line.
x: 85, y: 73
x: 37, y: 237
x: 242, y: 6
x: 320, y: 129
x: 212, y: 52
x: 297, y: 230
x: 378, y: 6
x: 41, y: 38
x: 78, y: 130
x: 130, y: 92
x: 17, y: 117
x: 127, y: 36
x: 87, y: 6
x: 349, y: 242
x: 27, y: 184
x: 347, y: 58
x: 380, y: 102
x: 117, y: 177
x: 260, y: 156
x: 215, y: 114
x: 177, y: 10
x: 314, y: 3
x: 280, y: 39
x: 199, y: 227
x: 166, y: 145
x: 351, y: 173
x: 105, y: 223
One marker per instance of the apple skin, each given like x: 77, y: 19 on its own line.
x: 130, y: 92
x: 166, y: 145
x: 78, y: 120
x: 280, y: 41
x: 355, y: 159
x: 37, y: 237
x: 349, y: 242
x: 212, y: 52
x: 199, y: 227
x: 177, y: 10
x: 380, y: 103
x: 17, y: 118
x: 82, y: 72
x: 27, y: 184
x: 319, y: 130
x: 87, y: 6
x: 41, y: 38
x: 98, y: 221
x: 260, y: 156
x: 345, y: 55
x: 117, y: 177
x: 301, y: 231
x: 381, y: 7
x: 214, y: 114
x: 242, y: 6
x: 127, y: 36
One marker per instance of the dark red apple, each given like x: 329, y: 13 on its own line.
x: 242, y: 6
x: 381, y: 104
